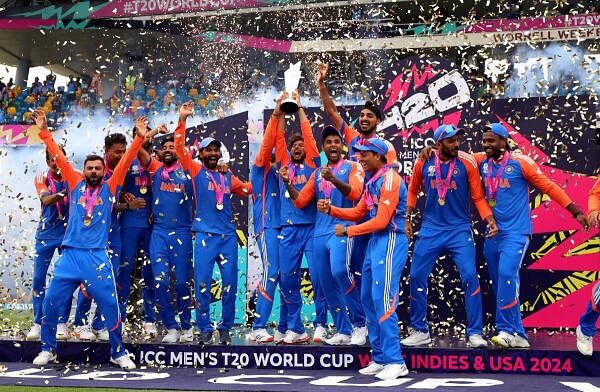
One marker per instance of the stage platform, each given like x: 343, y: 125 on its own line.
x: 551, y: 354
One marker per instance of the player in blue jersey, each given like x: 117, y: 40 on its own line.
x: 384, y: 203
x: 53, y: 193
x: 136, y: 229
x: 341, y: 182
x: 451, y: 180
x: 214, y: 228
x: 84, y: 259
x: 170, y: 247
x: 114, y: 148
x: 506, y: 177
x: 587, y: 323
x: 370, y: 117
x: 267, y: 229
x: 297, y: 230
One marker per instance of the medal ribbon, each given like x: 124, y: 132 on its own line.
x: 219, y: 188
x: 328, y: 186
x: 442, y: 186
x: 90, y: 200
x: 292, y: 169
x: 52, y: 184
x: 367, y: 196
x: 144, y: 177
x: 493, y: 183
x: 165, y: 175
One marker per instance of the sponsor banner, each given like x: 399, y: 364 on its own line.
x: 539, y: 362
x: 245, y: 40
x: 19, y: 135
x: 128, y: 8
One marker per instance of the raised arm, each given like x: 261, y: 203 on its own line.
x: 239, y: 187
x: 310, y: 144
x: 122, y: 167
x: 328, y: 104
x: 143, y: 155
x: 66, y: 170
x: 183, y: 154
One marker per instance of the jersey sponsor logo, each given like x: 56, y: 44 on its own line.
x: 81, y: 200
x: 211, y: 187
x: 453, y: 185
x: 299, y: 179
x: 169, y: 187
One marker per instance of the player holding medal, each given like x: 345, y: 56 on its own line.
x: 450, y: 179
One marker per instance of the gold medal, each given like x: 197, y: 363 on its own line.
x: 492, y: 203
x: 441, y: 201
x: 143, y: 190
x: 87, y: 221
x: 219, y: 206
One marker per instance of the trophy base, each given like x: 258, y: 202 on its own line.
x: 289, y: 106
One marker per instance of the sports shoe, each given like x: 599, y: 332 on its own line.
x: 371, y: 369
x: 187, y: 336
x: 416, y: 338
x: 292, y: 337
x: 101, y: 334
x: 84, y: 333
x: 503, y: 339
x: 172, y: 336
x: 359, y: 336
x: 477, y: 341
x: 520, y: 342
x: 339, y: 339
x: 62, y: 332
x: 278, y: 336
x: 124, y: 362
x: 319, y: 334
x: 150, y: 329
x: 585, y: 343
x: 34, y: 333
x: 224, y: 337
x: 260, y: 335
x: 392, y: 372
x: 43, y: 358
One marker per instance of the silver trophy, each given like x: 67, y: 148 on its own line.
x: 292, y: 78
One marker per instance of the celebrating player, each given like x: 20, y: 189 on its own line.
x: 84, y: 259
x: 384, y: 202
x: 450, y: 179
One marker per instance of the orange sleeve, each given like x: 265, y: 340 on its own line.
x: 391, y: 156
x: 414, y: 186
x: 154, y: 166
x: 535, y: 177
x: 239, y: 187
x: 388, y: 201
x: 479, y: 157
x: 70, y: 175
x: 183, y: 154
x: 475, y: 187
x: 357, y: 181
x: 281, y: 153
x: 122, y: 167
x: 310, y: 144
x: 352, y: 214
x: 594, y: 200
x: 307, y: 194
x: 40, y: 185
x: 348, y: 132
x: 269, y: 139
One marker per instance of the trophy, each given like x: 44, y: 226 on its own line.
x: 292, y: 78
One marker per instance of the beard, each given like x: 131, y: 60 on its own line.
x: 93, y: 181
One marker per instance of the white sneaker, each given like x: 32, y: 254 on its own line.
x: 187, y: 336
x: 585, y: 343
x: 102, y: 334
x: 503, y: 339
x: 278, y: 336
x: 319, y: 334
x: 339, y: 339
x: 124, y: 362
x: 43, y: 358
x: 260, y: 335
x: 150, y: 329
x: 416, y: 338
x: 62, y: 332
x: 477, y: 341
x: 359, y: 336
x: 392, y: 372
x: 172, y: 336
x: 371, y: 369
x: 520, y: 342
x: 292, y: 337
x: 84, y: 333
x: 34, y: 333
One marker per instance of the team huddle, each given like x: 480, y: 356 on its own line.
x: 351, y: 217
